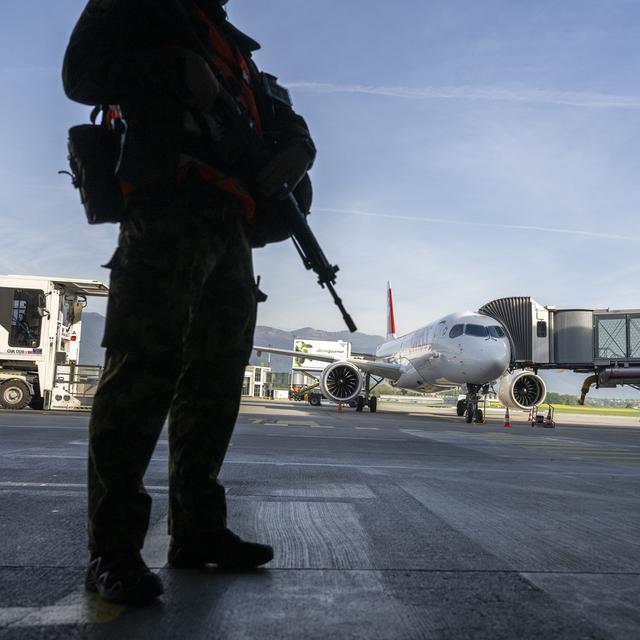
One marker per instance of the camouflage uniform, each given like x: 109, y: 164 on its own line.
x: 182, y: 303
x: 179, y: 331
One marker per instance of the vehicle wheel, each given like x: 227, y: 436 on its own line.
x: 479, y: 417
x: 14, y: 394
x: 373, y: 404
x: 468, y: 416
x: 461, y: 407
x: 314, y: 401
x: 359, y: 404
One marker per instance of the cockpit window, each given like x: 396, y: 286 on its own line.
x: 477, y: 330
x: 496, y: 332
x: 456, y: 330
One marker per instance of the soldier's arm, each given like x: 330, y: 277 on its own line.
x: 298, y: 152
x: 294, y: 130
x: 105, y: 62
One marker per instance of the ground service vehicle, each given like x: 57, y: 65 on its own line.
x: 40, y: 333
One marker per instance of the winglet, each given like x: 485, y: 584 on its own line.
x: 391, y: 319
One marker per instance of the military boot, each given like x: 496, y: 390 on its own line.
x: 224, y: 549
x: 122, y: 577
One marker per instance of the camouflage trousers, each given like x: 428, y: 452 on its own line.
x: 179, y: 330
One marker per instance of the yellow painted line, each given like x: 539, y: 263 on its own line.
x: 90, y: 610
x: 80, y: 607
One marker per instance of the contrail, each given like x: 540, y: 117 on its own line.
x: 586, y: 99
x: 487, y: 225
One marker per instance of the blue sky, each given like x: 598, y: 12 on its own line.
x: 468, y: 150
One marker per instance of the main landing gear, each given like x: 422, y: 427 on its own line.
x: 367, y: 400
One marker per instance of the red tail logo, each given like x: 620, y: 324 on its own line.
x: 391, y: 319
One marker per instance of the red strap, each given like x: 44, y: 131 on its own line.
x: 229, y: 59
x: 222, y: 182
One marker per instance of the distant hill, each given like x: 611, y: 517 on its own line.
x: 93, y: 327
x: 268, y: 336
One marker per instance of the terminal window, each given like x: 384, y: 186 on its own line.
x: 26, y: 321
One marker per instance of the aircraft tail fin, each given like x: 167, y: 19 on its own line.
x: 391, y: 319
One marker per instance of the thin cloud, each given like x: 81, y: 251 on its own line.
x: 583, y: 99
x: 31, y: 70
x: 486, y: 225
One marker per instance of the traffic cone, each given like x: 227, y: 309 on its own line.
x: 340, y: 407
x: 507, y: 419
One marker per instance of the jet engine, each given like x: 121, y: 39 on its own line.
x: 341, y: 382
x: 521, y: 390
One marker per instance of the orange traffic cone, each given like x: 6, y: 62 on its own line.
x: 507, y: 419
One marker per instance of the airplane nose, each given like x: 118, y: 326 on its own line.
x: 491, y: 364
x: 499, y: 359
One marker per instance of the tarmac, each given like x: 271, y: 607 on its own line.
x: 400, y: 524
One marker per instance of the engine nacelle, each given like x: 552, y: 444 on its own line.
x: 521, y: 390
x: 341, y: 382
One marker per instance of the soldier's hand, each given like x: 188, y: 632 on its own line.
x: 201, y: 86
x: 285, y: 171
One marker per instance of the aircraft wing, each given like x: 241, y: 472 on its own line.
x: 374, y: 367
x: 295, y: 354
x: 377, y: 368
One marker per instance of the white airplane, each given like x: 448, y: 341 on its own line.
x: 464, y: 349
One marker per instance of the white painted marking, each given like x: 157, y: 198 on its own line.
x: 367, y: 428
x: 43, y: 455
x: 156, y: 545
x: 439, y: 468
x: 40, y: 426
x: 84, y: 443
x: 288, y: 435
x: 62, y: 485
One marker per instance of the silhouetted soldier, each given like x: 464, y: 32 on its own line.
x: 182, y: 302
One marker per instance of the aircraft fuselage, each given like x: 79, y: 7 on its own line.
x: 461, y: 348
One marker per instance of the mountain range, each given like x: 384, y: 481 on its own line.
x: 93, y: 327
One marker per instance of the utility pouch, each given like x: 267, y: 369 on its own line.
x: 274, y: 90
x: 95, y: 151
x: 269, y: 225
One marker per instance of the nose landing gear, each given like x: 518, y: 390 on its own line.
x: 470, y: 407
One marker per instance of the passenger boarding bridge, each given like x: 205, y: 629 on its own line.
x: 604, y: 343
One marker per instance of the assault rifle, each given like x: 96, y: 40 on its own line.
x: 284, y: 207
x: 311, y: 253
